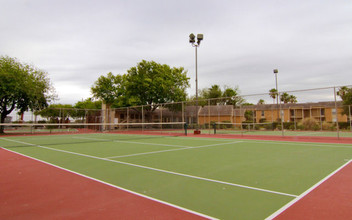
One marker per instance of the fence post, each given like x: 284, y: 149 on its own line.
x: 241, y: 119
x: 183, y: 112
x: 161, y: 117
x: 349, y: 113
x: 209, y: 115
x: 142, y: 119
x: 282, y: 116
x: 337, y: 121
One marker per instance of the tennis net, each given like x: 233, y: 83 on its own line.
x: 171, y: 128
x: 29, y: 135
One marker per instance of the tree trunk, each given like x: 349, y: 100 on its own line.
x: 2, y: 120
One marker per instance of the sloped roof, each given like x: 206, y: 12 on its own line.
x: 307, y: 105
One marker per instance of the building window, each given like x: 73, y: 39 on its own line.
x: 263, y: 114
x: 292, y: 112
x: 334, y: 116
x: 322, y: 111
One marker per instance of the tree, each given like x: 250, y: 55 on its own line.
x: 287, y: 98
x: 88, y: 104
x: 213, y: 93
x: 110, y: 89
x: 57, y: 112
x: 273, y: 94
x: 62, y: 112
x: 345, y: 94
x: 228, y: 96
x: 249, y: 116
x: 261, y: 102
x: 292, y: 99
x: 22, y: 87
x: 86, y: 108
x: 151, y: 83
x: 231, y: 96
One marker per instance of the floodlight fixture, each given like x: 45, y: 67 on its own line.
x: 192, y: 38
x: 276, y: 71
x: 199, y: 38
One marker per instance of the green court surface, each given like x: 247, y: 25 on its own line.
x: 221, y: 178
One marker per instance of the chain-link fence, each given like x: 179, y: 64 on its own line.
x: 319, y: 111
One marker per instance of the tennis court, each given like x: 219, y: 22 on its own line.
x: 217, y: 178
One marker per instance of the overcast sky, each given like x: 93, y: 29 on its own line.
x: 309, y: 41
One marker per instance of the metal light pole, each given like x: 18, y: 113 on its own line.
x: 196, y: 45
x: 276, y: 71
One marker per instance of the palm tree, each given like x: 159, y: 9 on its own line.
x: 342, y: 92
x: 273, y: 94
x: 285, y: 97
x: 261, y: 102
x: 292, y: 99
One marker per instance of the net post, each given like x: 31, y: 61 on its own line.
x: 185, y: 126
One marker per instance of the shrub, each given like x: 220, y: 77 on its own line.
x: 262, y: 120
x: 291, y: 127
x: 310, y: 124
x: 226, y: 126
x: 344, y: 125
x: 328, y: 126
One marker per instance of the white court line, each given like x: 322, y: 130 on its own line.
x: 278, y: 212
x: 160, y: 170
x: 161, y: 151
x: 304, y: 134
x: 337, y: 145
x: 129, y: 142
x: 201, y: 138
x: 117, y: 187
